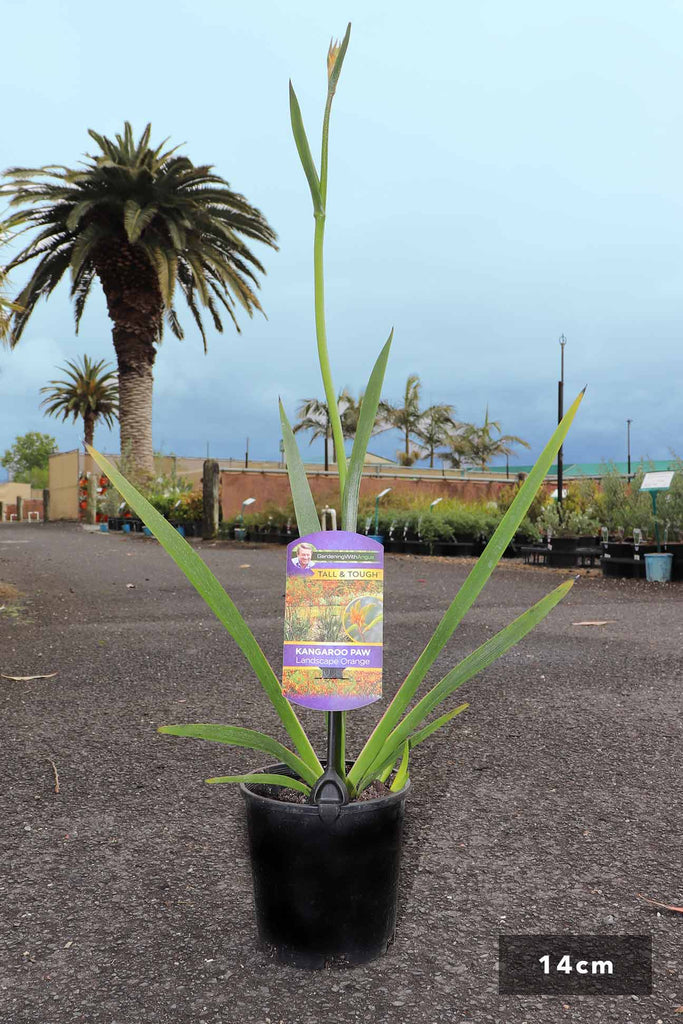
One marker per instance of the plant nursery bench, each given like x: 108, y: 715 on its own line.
x: 588, y: 557
x: 623, y: 566
x: 535, y: 554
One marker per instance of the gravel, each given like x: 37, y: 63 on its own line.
x: 126, y: 896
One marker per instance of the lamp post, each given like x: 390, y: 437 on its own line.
x: 380, y: 495
x: 247, y: 501
x: 628, y: 448
x: 433, y: 503
x: 560, y: 414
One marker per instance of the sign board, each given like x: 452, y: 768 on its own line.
x: 656, y: 481
x: 334, y: 619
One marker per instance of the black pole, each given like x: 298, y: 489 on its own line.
x: 246, y: 456
x: 628, y: 444
x: 560, y: 414
x: 330, y: 791
x: 560, y: 466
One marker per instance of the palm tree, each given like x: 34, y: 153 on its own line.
x: 314, y: 416
x: 422, y: 429
x: 141, y: 220
x: 435, y: 429
x: 406, y: 418
x: 483, y: 446
x: 458, y: 447
x: 6, y: 307
x: 89, y: 393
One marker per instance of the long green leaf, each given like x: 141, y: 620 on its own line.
x: 402, y: 773
x: 382, y: 747
x: 336, y: 70
x: 383, y: 770
x: 333, y: 78
x: 249, y: 738
x: 266, y: 780
x: 304, y: 150
x: 366, y: 422
x: 422, y: 734
x: 304, y: 505
x: 468, y: 593
x: 206, y: 584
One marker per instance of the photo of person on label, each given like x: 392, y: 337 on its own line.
x: 303, y: 558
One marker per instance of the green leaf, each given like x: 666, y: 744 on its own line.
x: 382, y: 776
x: 466, y: 596
x: 423, y: 734
x: 402, y: 773
x: 336, y: 70
x: 381, y: 746
x: 304, y: 150
x: 366, y: 422
x: 304, y: 505
x: 384, y: 770
x: 266, y: 780
x: 249, y: 738
x: 206, y: 584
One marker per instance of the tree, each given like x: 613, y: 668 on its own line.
x: 483, y: 446
x: 28, y: 458
x: 314, y: 416
x: 6, y: 307
x: 142, y: 220
x: 419, y: 427
x: 435, y: 429
x: 89, y: 393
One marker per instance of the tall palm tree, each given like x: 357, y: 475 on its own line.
x: 434, y: 430
x: 6, y: 307
x: 422, y: 429
x: 406, y: 418
x: 89, y: 393
x: 314, y: 416
x: 483, y: 446
x: 141, y: 220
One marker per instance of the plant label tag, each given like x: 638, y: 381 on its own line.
x: 334, y: 618
x: 656, y: 481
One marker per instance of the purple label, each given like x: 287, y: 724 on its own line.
x: 334, y: 618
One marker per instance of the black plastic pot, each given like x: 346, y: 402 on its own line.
x: 324, y: 891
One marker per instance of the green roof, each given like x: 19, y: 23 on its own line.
x: 573, y: 470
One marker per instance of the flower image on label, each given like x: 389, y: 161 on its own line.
x: 334, y: 618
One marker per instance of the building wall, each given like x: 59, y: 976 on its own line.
x: 12, y: 490
x: 63, y: 485
x: 31, y: 505
x: 273, y: 487
x: 66, y: 468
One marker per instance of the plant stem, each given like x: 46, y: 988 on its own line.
x: 323, y: 356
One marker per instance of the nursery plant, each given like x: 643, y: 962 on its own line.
x: 402, y: 726
x: 326, y: 872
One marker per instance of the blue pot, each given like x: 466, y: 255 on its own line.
x: 658, y: 567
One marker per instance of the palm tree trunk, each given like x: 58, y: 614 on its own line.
x: 135, y: 307
x: 136, y: 381
x: 89, y: 428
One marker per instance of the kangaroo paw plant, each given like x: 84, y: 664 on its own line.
x: 411, y: 717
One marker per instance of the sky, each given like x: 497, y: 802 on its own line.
x: 500, y: 174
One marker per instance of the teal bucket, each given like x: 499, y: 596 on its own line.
x: 658, y: 567
x: 104, y: 528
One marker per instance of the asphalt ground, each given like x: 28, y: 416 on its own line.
x: 126, y: 897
